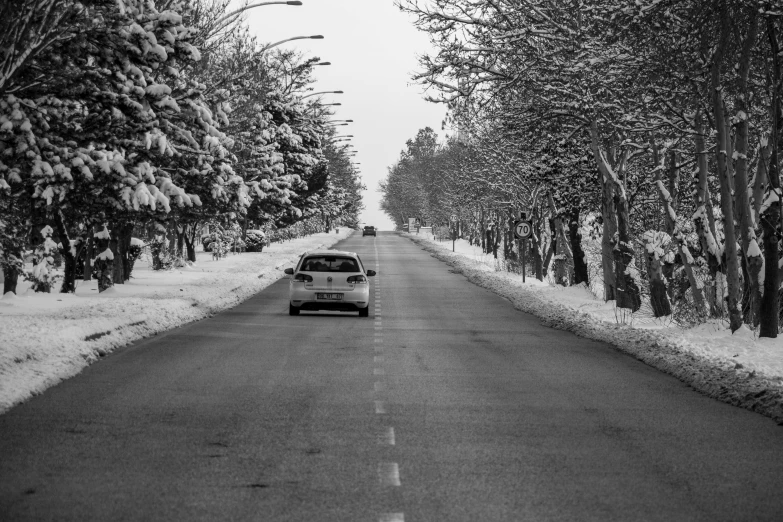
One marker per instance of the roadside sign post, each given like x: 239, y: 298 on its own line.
x: 522, y: 230
x: 524, y: 267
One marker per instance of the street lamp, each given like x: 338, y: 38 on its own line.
x: 334, y: 121
x: 235, y: 12
x: 322, y: 92
x: 313, y: 37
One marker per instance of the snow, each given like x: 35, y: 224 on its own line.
x: 48, y: 337
x: 106, y: 255
x: 741, y: 369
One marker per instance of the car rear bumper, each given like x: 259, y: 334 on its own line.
x: 352, y: 300
x: 332, y: 306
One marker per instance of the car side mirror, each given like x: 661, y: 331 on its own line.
x: 371, y: 273
x: 289, y: 271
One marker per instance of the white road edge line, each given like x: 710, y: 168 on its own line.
x: 380, y: 407
x: 392, y: 517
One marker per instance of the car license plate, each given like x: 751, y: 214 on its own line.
x: 331, y: 297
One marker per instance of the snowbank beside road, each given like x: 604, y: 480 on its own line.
x: 740, y: 369
x: 45, y: 338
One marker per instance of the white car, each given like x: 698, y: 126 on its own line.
x: 329, y: 280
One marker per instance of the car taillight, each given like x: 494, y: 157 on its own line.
x: 357, y: 279
x: 303, y: 278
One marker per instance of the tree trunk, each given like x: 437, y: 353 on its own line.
x: 118, y: 277
x: 104, y: 261
x: 10, y: 278
x: 498, y: 232
x: 88, y: 256
x: 190, y: 243
x: 750, y: 250
x: 536, y: 244
x: 180, y: 231
x: 770, y: 301
x: 627, y: 291
x: 609, y: 215
x: 704, y: 220
x: 659, y: 297
x: 124, y: 246
x: 723, y: 154
x: 673, y: 180
x: 564, y: 259
x: 69, y: 273
x: 580, y: 265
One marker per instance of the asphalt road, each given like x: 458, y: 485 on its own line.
x: 446, y: 404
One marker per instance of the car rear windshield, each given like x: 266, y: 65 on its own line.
x: 369, y: 228
x: 329, y: 264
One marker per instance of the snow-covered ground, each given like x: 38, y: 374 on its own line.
x: 740, y: 369
x: 45, y: 338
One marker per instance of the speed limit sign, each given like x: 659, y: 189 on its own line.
x: 522, y: 229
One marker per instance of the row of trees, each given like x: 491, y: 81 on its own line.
x: 653, y: 124
x: 134, y: 117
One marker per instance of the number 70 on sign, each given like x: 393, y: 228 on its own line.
x: 522, y: 229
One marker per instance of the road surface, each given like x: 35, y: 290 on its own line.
x: 446, y: 404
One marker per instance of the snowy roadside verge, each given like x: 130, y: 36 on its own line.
x: 46, y: 338
x: 738, y: 370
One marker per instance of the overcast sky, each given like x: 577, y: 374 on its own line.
x: 372, y: 47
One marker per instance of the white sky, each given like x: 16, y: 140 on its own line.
x: 372, y: 47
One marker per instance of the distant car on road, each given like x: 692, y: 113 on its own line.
x: 368, y: 231
x: 329, y: 280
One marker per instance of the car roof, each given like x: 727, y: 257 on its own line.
x: 330, y: 253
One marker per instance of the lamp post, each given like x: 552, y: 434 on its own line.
x: 335, y: 139
x: 251, y: 6
x: 313, y: 37
x: 322, y: 92
x: 229, y: 18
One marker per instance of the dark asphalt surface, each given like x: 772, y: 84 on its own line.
x: 445, y: 405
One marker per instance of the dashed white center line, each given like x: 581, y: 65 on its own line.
x: 389, y: 474
x: 386, y: 437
